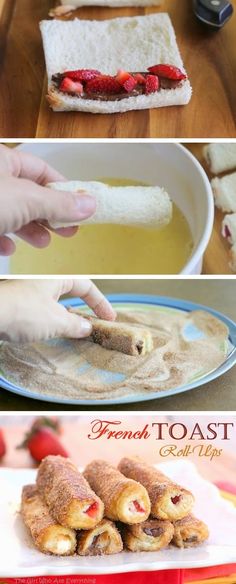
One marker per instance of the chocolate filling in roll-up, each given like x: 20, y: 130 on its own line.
x: 151, y: 535
x: 124, y: 499
x: 168, y: 500
x: 104, y: 539
x: 69, y: 497
x: 189, y: 532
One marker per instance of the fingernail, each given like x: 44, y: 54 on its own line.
x: 85, y: 327
x: 86, y: 206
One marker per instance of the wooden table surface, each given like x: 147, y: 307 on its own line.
x: 82, y: 450
x: 216, y: 258
x: 209, y: 57
x: 218, y: 395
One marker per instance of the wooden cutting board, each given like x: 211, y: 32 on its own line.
x: 210, y: 60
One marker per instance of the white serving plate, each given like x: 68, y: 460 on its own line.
x: 20, y: 559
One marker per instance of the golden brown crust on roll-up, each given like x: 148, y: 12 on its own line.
x: 69, y: 497
x: 189, y: 532
x: 168, y: 500
x: 124, y: 499
x: 48, y: 536
x: 118, y: 336
x: 104, y: 539
x: 150, y: 536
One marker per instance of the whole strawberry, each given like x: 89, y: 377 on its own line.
x: 2, y: 445
x: 42, y: 442
x: 51, y: 422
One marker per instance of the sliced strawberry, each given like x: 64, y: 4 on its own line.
x: 140, y: 78
x: 81, y: 74
x: 127, y: 80
x: 3, y: 448
x: 227, y: 232
x: 104, y: 84
x: 69, y: 86
x: 92, y: 510
x: 130, y: 84
x: 168, y: 71
x: 175, y: 499
x: 138, y: 507
x: 152, y: 84
x: 122, y: 76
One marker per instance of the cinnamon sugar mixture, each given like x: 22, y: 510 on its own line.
x: 185, y: 346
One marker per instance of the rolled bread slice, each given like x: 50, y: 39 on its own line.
x: 131, y: 205
x: 220, y: 157
x: 229, y: 228
x: 232, y: 262
x: 110, y: 3
x: 224, y: 191
x: 130, y: 43
x: 118, y: 336
x: 48, y: 535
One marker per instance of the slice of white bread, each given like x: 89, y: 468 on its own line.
x: 220, y: 157
x: 110, y: 3
x: 229, y: 228
x: 224, y: 191
x: 131, y: 205
x: 132, y: 43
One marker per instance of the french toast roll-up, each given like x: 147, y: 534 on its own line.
x: 104, y: 539
x: 189, y: 532
x: 69, y: 497
x: 48, y: 536
x: 118, y: 336
x: 125, y: 500
x: 150, y: 536
x: 168, y: 500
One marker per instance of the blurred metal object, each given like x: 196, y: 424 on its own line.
x: 213, y: 13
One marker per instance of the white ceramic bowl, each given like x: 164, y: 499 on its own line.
x: 169, y: 165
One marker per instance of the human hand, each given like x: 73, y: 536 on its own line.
x: 30, y: 311
x: 28, y: 207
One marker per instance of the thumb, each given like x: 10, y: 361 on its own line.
x: 63, y: 206
x: 75, y: 327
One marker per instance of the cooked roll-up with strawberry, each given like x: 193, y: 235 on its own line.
x: 69, y: 497
x: 48, y: 536
x: 104, y: 539
x: 124, y: 499
x: 150, y: 536
x: 189, y: 532
x: 168, y: 500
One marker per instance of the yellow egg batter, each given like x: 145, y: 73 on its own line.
x: 111, y: 249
